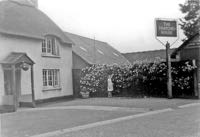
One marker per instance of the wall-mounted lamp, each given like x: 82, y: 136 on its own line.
x: 24, y: 66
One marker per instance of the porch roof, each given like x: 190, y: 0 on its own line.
x: 17, y: 57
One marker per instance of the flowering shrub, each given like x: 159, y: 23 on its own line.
x: 151, y: 78
x: 94, y: 78
x: 183, y: 78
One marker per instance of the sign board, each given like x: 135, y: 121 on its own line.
x: 166, y: 28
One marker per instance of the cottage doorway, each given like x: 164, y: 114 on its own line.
x: 8, y: 84
x: 13, y: 65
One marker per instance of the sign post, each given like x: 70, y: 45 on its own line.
x: 166, y: 28
x: 169, y: 76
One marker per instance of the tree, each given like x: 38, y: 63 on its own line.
x: 190, y: 23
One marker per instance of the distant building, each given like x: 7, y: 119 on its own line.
x: 31, y: 40
x: 190, y: 50
x: 87, y: 52
x: 147, y: 56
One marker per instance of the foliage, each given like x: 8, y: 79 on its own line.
x: 189, y: 23
x: 150, y: 78
x: 183, y: 78
x: 94, y: 78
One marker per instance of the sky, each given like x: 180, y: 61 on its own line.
x: 127, y: 25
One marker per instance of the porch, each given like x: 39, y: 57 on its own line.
x: 18, y: 75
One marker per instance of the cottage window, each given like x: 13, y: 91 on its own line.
x: 49, y: 47
x: 51, y: 78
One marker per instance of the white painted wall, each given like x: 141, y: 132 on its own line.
x: 32, y: 48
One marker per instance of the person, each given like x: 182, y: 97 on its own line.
x: 110, y: 86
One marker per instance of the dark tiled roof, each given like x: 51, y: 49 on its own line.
x: 148, y: 56
x: 101, y: 53
x: 193, y: 39
x: 22, y: 19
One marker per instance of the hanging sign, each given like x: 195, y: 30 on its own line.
x: 166, y: 28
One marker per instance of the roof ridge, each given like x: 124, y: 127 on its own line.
x: 84, y: 37
x: 148, y: 51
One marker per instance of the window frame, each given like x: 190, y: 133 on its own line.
x: 50, y: 47
x: 51, y: 78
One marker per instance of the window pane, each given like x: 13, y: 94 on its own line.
x: 44, y: 77
x: 43, y: 46
x: 57, y: 50
x: 53, y: 76
x: 53, y: 40
x: 54, y: 47
x: 49, y: 46
x: 53, y: 50
x: 56, y: 78
x: 50, y: 78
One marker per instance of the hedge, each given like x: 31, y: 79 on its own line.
x: 138, y: 79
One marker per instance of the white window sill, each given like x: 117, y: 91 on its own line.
x: 50, y: 55
x: 51, y: 88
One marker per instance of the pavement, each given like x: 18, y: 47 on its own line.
x: 146, y: 103
x: 93, y: 117
x: 103, y: 108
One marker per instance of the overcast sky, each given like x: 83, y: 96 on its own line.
x: 127, y: 25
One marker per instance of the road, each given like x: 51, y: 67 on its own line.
x: 180, y: 122
x: 100, y: 118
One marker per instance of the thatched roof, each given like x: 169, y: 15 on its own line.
x: 23, y: 19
